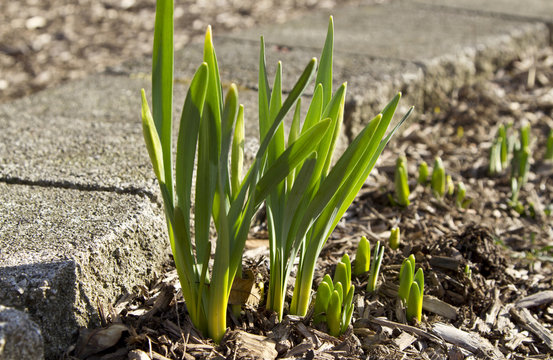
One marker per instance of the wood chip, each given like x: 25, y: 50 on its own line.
x: 467, y: 340
x: 491, y: 315
x: 525, y: 318
x: 537, y: 299
x: 444, y: 262
x: 252, y: 346
x: 404, y: 340
x: 387, y: 323
x: 302, y: 329
x: 300, y: 349
x: 439, y: 307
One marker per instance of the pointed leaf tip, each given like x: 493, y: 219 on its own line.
x: 208, y: 35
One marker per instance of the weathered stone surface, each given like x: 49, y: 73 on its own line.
x: 20, y: 337
x: 64, y: 252
x: 88, y: 134
x: 452, y: 47
x: 530, y: 9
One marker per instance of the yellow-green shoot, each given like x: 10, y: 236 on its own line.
x: 210, y: 136
x: 504, y: 148
x: 400, y: 181
x: 423, y: 173
x: 395, y: 238
x: 495, y: 166
x: 415, y: 300
x: 449, y: 185
x: 362, y: 261
x: 438, y: 181
x: 304, y: 209
x: 520, y: 163
x: 461, y: 193
x: 406, y: 275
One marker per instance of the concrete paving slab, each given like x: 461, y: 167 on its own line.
x: 452, y: 47
x: 86, y: 134
x: 62, y: 252
x: 531, y: 9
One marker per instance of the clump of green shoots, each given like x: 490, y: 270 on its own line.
x: 209, y: 145
x: 438, y: 181
x: 333, y: 302
x: 423, y: 173
x: 303, y: 210
x: 400, y: 180
x: 395, y: 238
x: 411, y: 288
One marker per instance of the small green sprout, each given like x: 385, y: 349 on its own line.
x: 549, y: 146
x: 416, y: 293
x: 362, y: 261
x: 468, y: 271
x: 525, y: 135
x: 504, y: 148
x: 438, y: 178
x: 406, y: 275
x: 334, y: 298
x: 322, y: 299
x: 495, y: 158
x: 461, y: 193
x: 395, y: 238
x: 514, y: 202
x: 524, y: 165
x: 548, y: 210
x: 520, y: 164
x: 460, y: 132
x: 449, y: 185
x: 401, y: 184
x: 342, y: 274
x: 375, y: 267
x: 423, y: 173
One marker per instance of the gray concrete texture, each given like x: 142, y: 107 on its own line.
x: 80, y: 217
x: 63, y: 252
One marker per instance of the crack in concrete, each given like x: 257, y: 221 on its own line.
x: 64, y: 184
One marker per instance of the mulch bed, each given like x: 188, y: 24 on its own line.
x: 504, y: 309
x: 46, y: 42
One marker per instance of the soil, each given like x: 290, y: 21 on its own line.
x: 481, y: 261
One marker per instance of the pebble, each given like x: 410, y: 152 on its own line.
x: 35, y: 22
